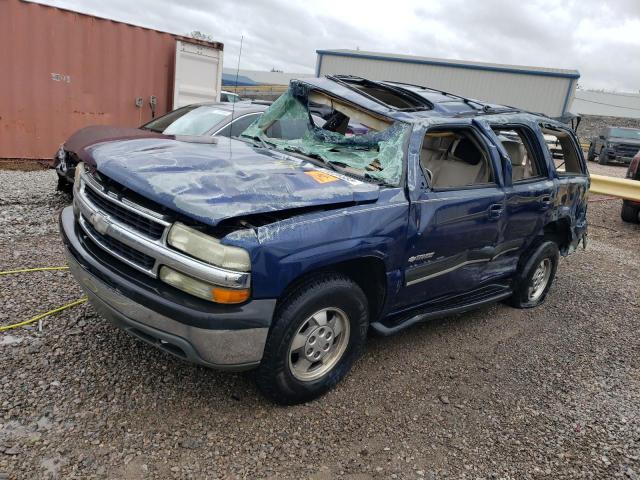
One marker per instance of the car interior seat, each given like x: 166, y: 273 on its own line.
x: 518, y: 156
x: 453, y: 161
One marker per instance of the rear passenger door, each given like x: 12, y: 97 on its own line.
x: 528, y: 186
x: 456, y: 221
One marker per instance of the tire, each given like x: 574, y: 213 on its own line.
x: 286, y: 375
x: 529, y: 278
x: 630, y: 213
x: 602, y: 157
x: 591, y: 154
x: 64, y: 186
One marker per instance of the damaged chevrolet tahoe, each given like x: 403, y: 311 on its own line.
x: 279, y: 249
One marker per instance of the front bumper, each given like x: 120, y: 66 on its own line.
x: 615, y: 157
x: 222, y: 337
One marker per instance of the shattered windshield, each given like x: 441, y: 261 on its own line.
x: 351, y: 140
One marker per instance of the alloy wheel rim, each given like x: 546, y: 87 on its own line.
x: 319, y: 344
x: 540, y: 279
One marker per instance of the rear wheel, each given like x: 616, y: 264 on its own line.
x: 591, y: 155
x: 630, y: 213
x: 535, y: 276
x: 319, y: 331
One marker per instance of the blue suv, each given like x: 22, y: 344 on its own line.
x: 279, y: 249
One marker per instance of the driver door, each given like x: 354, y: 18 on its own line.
x: 455, y: 226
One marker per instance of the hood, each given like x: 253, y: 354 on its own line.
x: 87, y: 136
x: 628, y: 141
x: 213, y: 182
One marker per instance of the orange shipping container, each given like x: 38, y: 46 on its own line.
x: 63, y: 70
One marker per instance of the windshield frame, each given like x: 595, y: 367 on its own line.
x: 616, y: 132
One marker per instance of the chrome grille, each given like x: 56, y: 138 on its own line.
x: 137, y: 236
x: 141, y: 224
x: 117, y: 208
x: 118, y: 248
x: 627, y: 150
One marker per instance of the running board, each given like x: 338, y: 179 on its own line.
x: 384, y: 330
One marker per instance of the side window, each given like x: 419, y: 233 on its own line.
x: 455, y: 158
x: 239, y: 125
x: 524, y: 164
x: 563, y: 151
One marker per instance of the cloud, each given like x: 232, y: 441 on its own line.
x: 597, y: 38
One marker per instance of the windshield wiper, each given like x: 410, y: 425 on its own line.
x: 315, y: 156
x: 378, y: 180
x: 330, y: 165
x: 156, y: 130
x: 263, y: 143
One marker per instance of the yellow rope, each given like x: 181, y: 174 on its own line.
x: 41, y: 269
x: 42, y: 315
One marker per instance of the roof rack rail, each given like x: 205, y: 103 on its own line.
x: 466, y: 100
x: 424, y: 104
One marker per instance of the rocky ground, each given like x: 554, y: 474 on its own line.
x: 552, y: 392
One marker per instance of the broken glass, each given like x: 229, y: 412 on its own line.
x: 288, y: 126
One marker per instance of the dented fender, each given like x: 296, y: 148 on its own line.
x: 283, y: 251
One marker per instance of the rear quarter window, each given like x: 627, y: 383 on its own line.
x: 563, y: 151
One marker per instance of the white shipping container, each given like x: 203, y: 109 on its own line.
x: 198, y: 74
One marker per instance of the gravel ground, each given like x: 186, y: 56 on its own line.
x: 552, y: 392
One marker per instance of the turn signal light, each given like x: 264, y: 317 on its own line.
x: 202, y: 289
x: 227, y: 295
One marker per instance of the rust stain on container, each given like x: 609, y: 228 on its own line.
x: 63, y: 70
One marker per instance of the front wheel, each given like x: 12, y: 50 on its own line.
x: 535, y: 276
x: 319, y: 331
x: 602, y: 158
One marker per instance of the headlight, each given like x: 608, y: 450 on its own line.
x: 207, y: 248
x: 79, y: 171
x: 77, y: 183
x: 202, y: 289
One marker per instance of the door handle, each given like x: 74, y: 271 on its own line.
x: 495, y: 210
x: 546, y: 201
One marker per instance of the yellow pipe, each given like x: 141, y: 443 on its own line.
x: 615, y: 187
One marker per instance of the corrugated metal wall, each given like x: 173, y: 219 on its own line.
x: 607, y: 104
x: 538, y: 93
x: 63, y: 70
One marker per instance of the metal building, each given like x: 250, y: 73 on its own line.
x: 545, y: 90
x: 609, y: 104
x: 63, y: 70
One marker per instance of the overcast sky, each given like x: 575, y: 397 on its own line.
x: 600, y: 39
